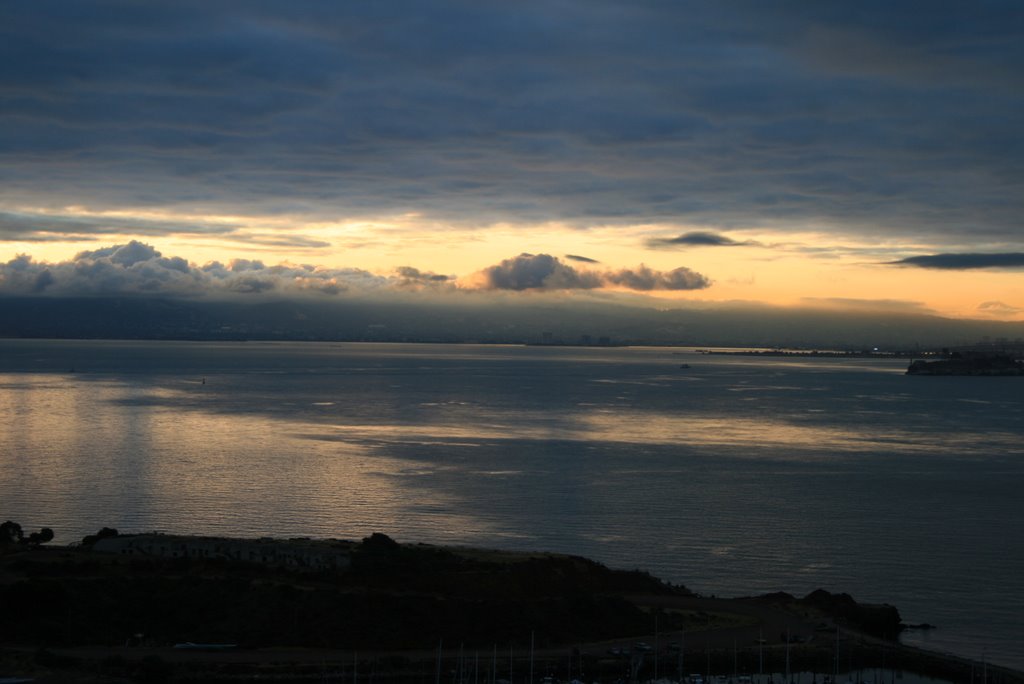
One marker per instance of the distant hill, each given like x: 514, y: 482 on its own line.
x: 478, y: 319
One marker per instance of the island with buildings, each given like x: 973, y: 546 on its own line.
x: 978, y: 363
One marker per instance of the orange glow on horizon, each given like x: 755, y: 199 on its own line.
x: 771, y: 267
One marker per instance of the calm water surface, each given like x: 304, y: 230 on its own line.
x: 738, y: 475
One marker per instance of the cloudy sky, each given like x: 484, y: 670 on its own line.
x: 684, y: 153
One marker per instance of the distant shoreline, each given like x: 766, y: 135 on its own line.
x: 679, y: 347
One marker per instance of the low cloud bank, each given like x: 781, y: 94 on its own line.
x: 545, y: 272
x: 136, y: 268
x: 699, y: 239
x: 414, y: 277
x: 999, y: 309
x: 879, y: 306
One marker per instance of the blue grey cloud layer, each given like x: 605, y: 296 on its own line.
x: 893, y: 118
x: 963, y: 262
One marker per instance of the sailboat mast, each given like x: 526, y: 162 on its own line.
x: 836, y: 680
x: 531, y: 657
x: 787, y: 655
x: 437, y: 674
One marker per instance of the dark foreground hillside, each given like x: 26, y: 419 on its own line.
x: 79, y: 614
x: 392, y: 596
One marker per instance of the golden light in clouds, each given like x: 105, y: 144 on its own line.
x: 809, y: 169
x: 770, y: 267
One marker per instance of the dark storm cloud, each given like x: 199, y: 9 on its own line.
x: 895, y: 118
x: 961, y: 262
x: 698, y: 239
x: 545, y: 272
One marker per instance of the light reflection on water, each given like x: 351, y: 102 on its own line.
x: 800, y: 441
x: 736, y: 475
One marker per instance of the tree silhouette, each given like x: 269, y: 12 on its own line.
x: 10, y: 533
x: 41, y: 537
x: 106, y: 532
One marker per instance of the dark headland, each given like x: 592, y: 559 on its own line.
x: 155, y: 607
x: 969, y: 363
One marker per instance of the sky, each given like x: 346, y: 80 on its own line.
x: 830, y: 155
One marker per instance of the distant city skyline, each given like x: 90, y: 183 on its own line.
x: 696, y: 156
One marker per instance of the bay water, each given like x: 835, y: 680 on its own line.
x: 737, y: 475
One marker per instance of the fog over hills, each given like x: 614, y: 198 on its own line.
x: 133, y: 291
x: 488, y: 320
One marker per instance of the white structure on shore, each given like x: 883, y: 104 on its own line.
x: 303, y: 554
